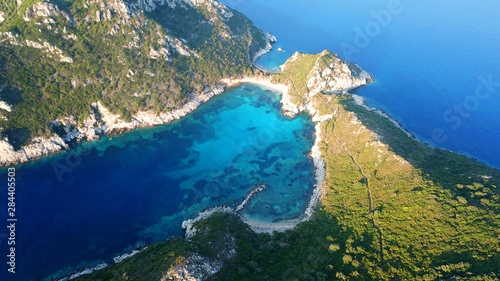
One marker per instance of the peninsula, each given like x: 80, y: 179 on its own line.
x: 389, y: 207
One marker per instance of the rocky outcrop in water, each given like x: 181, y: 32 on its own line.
x: 133, y: 252
x: 188, y: 225
x: 86, y: 271
x: 260, y: 187
x: 330, y: 75
x: 38, y: 147
x: 270, y: 39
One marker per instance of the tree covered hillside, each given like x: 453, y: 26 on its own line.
x: 58, y: 56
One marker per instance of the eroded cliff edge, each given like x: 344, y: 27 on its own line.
x: 115, y: 108
x: 72, y: 70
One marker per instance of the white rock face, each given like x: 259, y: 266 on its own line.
x: 41, y: 9
x: 13, y: 39
x: 2, y: 15
x: 5, y: 106
x: 47, y: 11
x: 289, y: 107
x: 154, y: 54
x: 194, y: 268
x: 49, y: 49
x: 181, y: 49
x: 336, y: 77
x: 70, y: 36
x: 37, y: 148
x: 269, y: 40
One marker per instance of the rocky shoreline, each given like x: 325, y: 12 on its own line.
x: 86, y: 271
x: 361, y: 101
x: 291, y: 110
x: 102, y: 265
x: 113, y: 124
x: 110, y: 124
x: 270, y: 39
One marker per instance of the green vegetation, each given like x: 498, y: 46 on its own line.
x: 295, y: 74
x: 393, y: 209
x: 112, y: 62
x: 432, y: 214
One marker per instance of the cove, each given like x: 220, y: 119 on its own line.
x: 103, y: 198
x: 428, y: 59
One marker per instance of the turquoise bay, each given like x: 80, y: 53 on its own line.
x: 428, y: 59
x: 103, y: 198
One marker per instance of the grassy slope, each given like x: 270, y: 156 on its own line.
x: 434, y: 210
x: 433, y: 215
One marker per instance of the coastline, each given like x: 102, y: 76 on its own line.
x: 361, y: 101
x: 113, y: 124
x: 148, y: 119
x: 289, y: 109
x: 270, y: 39
x: 40, y: 147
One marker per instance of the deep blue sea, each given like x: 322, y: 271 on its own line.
x: 436, y: 64
x: 104, y: 198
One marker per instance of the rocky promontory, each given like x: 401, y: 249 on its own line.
x: 328, y: 74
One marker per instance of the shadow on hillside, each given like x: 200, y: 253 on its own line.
x: 18, y: 137
x: 458, y: 264
x: 312, y: 249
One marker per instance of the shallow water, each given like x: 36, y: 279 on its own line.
x: 428, y: 59
x: 103, y: 198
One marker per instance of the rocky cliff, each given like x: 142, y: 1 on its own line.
x: 327, y: 74
x: 74, y: 70
x: 310, y: 74
x: 112, y: 66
